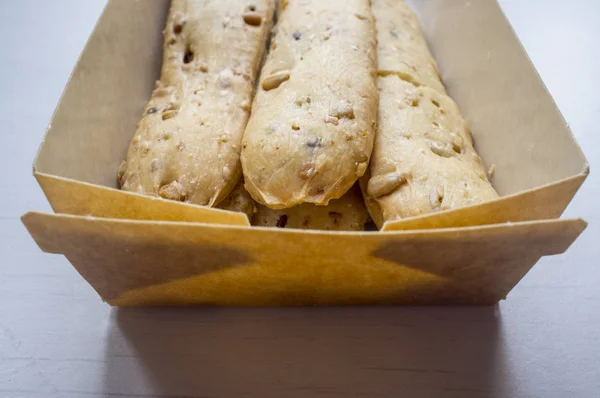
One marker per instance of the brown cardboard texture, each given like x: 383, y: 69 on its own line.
x: 88, y: 199
x: 135, y: 249
x: 515, y: 123
x: 172, y: 263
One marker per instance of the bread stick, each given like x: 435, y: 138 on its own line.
x: 311, y: 131
x: 187, y: 145
x: 423, y: 158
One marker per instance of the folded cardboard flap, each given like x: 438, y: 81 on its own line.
x: 73, y: 197
x: 515, y: 123
x: 77, y: 198
x: 542, y: 203
x: 141, y: 262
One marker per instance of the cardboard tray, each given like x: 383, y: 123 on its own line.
x: 137, y: 250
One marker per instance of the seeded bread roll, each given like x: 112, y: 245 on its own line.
x: 347, y: 213
x: 423, y: 159
x: 311, y: 131
x: 187, y: 145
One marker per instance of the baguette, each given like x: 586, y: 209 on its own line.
x: 311, y: 131
x: 187, y: 145
x: 423, y: 158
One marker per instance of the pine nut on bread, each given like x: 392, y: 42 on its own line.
x: 311, y: 131
x: 423, y: 159
x: 187, y: 145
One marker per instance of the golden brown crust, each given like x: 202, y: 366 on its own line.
x: 311, y: 131
x: 187, y: 145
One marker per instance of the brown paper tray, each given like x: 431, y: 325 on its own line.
x: 136, y: 249
x: 172, y: 263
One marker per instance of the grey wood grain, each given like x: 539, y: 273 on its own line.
x: 57, y: 339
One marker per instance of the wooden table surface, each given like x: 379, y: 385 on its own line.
x: 58, y: 339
